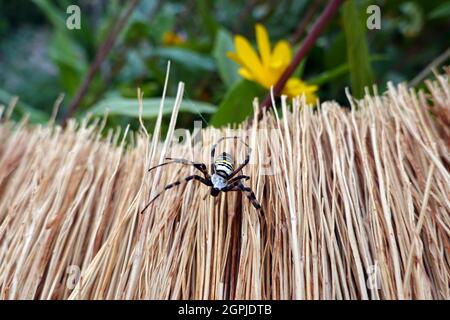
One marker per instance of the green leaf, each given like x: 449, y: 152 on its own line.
x: 441, y: 11
x: 411, y: 20
x: 336, y: 53
x: 237, y: 104
x: 188, y: 58
x: 329, y: 75
x: 71, y: 61
x: 54, y: 15
x: 163, y: 21
x: 205, y: 9
x: 228, y: 69
x: 35, y: 115
x: 361, y: 74
x: 57, y: 16
x: 298, y: 73
x: 63, y: 50
x: 129, y: 107
x: 340, y: 70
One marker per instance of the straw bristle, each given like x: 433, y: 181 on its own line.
x: 356, y: 206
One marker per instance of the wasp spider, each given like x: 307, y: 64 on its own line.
x: 223, y: 176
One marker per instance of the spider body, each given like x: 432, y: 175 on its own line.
x: 224, y: 167
x: 218, y: 184
x: 223, y: 174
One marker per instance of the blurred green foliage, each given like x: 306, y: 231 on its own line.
x: 41, y: 58
x: 361, y: 74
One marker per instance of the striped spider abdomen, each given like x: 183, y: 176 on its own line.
x: 224, y: 164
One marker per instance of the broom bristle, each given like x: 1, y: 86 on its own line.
x: 356, y: 206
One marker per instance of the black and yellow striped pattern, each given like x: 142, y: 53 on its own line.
x: 224, y: 164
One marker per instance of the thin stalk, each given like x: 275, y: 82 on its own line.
x: 308, y: 43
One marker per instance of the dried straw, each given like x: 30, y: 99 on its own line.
x: 356, y: 207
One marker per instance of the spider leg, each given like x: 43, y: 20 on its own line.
x: 213, y: 151
x: 232, y: 183
x: 250, y: 195
x: 246, y: 161
x: 177, y: 183
x: 199, y: 166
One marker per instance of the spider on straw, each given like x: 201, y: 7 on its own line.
x: 223, y: 175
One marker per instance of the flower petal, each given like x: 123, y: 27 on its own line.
x: 262, y: 39
x: 248, y: 55
x: 233, y: 56
x: 295, y: 87
x: 281, y: 56
x: 246, y: 74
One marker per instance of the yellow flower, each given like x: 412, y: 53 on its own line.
x: 267, y: 67
x: 296, y: 87
x: 171, y: 38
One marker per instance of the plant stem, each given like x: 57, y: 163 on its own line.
x: 309, y: 41
x: 429, y: 68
